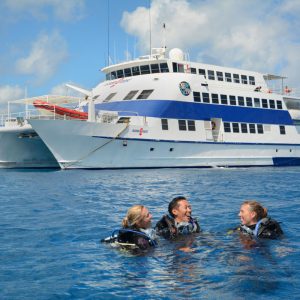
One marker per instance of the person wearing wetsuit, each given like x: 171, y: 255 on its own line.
x: 136, y: 230
x: 256, y: 223
x: 179, y: 222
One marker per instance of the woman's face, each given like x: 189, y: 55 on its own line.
x: 145, y: 221
x: 183, y: 211
x: 247, y: 216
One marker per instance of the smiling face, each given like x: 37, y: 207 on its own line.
x: 145, y: 219
x: 182, y: 212
x: 247, y: 216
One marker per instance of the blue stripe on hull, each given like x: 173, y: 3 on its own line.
x: 286, y: 161
x: 197, y: 111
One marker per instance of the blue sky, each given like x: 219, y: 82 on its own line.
x: 47, y: 43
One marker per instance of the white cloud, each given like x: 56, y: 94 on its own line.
x: 66, y: 10
x: 250, y: 34
x: 46, y: 54
x: 9, y: 92
x: 63, y: 90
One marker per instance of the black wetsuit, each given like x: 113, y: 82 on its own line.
x: 167, y: 227
x: 266, y: 228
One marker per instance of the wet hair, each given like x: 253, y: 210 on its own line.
x: 174, y: 204
x: 134, y: 215
x: 261, y: 212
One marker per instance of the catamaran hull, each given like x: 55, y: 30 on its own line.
x: 23, y: 148
x: 86, y: 145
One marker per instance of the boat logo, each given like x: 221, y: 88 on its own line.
x: 185, y: 88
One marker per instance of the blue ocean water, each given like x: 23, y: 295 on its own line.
x: 51, y: 223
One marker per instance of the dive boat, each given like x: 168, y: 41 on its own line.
x: 20, y: 145
x: 162, y: 111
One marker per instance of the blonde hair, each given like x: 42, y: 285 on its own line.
x: 134, y: 215
x: 261, y: 212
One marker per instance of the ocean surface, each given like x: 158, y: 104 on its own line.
x: 52, y: 221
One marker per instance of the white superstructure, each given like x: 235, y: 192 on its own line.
x: 160, y: 111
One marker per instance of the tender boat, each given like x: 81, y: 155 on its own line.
x: 162, y: 111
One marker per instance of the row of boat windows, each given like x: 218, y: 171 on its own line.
x: 143, y: 95
x: 236, y: 100
x: 189, y: 125
x: 138, y: 70
x: 217, y: 75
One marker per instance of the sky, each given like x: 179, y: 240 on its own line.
x: 48, y: 43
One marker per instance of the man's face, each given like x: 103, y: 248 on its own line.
x: 183, y: 211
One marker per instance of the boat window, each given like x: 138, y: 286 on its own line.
x: 205, y: 97
x: 145, y: 94
x: 232, y: 100
x: 251, y: 80
x: 196, y: 96
x: 244, y: 79
x: 164, y: 68
x: 252, y: 128
x: 124, y: 120
x: 145, y: 69
x: 120, y: 73
x: 279, y: 104
x: 220, y: 76
x: 135, y: 71
x: 193, y: 70
x: 113, y: 75
x: 107, y: 76
x: 130, y: 95
x: 241, y: 101
x: 249, y: 101
x: 202, y: 72
x: 224, y: 99
x: 264, y: 103
x: 154, y: 68
x: 215, y: 98
x: 228, y: 77
x: 182, y: 124
x: 260, y: 129
x: 109, y: 97
x: 227, y: 127
x: 180, y: 68
x: 211, y: 74
x: 164, y: 124
x: 127, y: 72
x: 95, y: 97
x: 175, y: 68
x: 282, y: 129
x: 244, y: 128
x: 256, y: 102
x: 236, y: 78
x: 235, y: 127
x: 191, y: 125
x: 272, y: 104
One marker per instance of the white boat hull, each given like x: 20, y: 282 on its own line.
x: 89, y: 145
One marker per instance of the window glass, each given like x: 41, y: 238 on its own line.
x: 193, y: 70
x: 136, y: 71
x: 264, y: 103
x: 241, y: 101
x: 228, y: 77
x: 164, y: 68
x: 244, y: 128
x: 227, y: 127
x: 127, y: 72
x: 224, y: 99
x: 205, y: 97
x: 235, y: 127
x: 249, y: 101
x: 130, y: 95
x: 113, y: 75
x: 120, y: 73
x: 244, y: 79
x: 145, y: 69
x: 220, y: 76
x: 279, y: 104
x: 145, y: 94
x: 107, y: 76
x: 181, y: 68
x: 260, y: 129
x: 232, y: 100
x: 202, y: 72
x: 211, y: 74
x: 109, y: 97
x: 191, y: 125
x: 214, y: 98
x: 256, y: 102
x: 164, y: 124
x: 236, y: 78
x: 272, y: 104
x: 182, y: 124
x: 196, y: 96
x: 154, y: 68
x: 282, y: 129
x: 252, y: 128
x: 251, y: 80
x: 175, y: 68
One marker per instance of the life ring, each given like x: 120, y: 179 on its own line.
x: 213, y: 125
